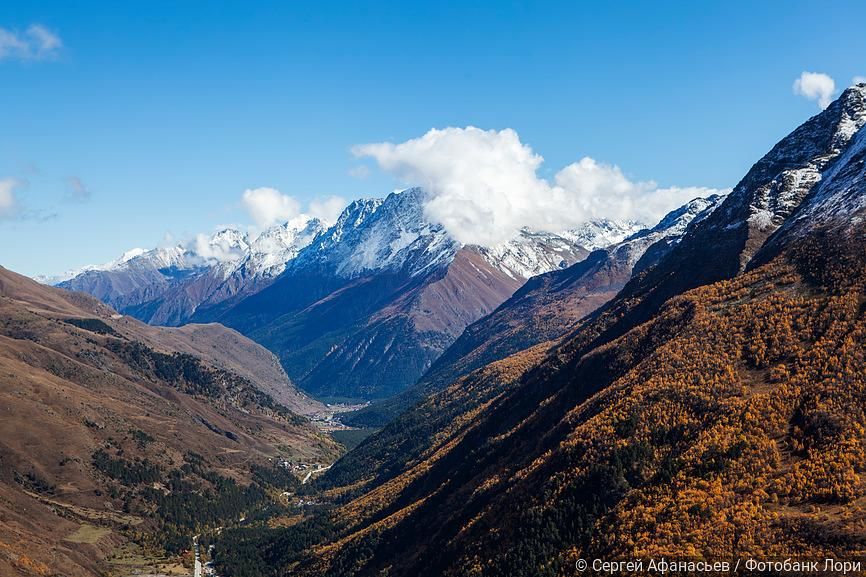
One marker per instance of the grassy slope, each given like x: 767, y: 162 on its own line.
x: 65, y: 393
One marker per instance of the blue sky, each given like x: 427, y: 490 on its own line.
x: 153, y: 119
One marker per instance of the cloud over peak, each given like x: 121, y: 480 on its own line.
x: 484, y: 185
x: 815, y: 86
x: 268, y: 206
x: 327, y: 209
x: 34, y: 43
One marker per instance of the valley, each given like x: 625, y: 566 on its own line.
x: 148, y: 431
x: 714, y: 419
x: 349, y: 320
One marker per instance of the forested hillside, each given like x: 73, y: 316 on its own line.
x: 722, y: 427
x: 682, y: 420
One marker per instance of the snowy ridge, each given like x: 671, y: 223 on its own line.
x: 771, y: 203
x: 839, y: 198
x: 600, y: 233
x: 265, y: 256
x: 394, y: 234
x: 674, y: 223
x: 670, y: 229
x: 72, y: 273
x: 273, y: 249
x: 382, y: 234
x: 225, y: 251
x: 226, y: 246
x: 533, y: 253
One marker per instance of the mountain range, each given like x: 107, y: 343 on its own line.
x: 166, y: 285
x: 712, y: 409
x: 357, y: 310
x: 544, y: 308
x: 690, y: 390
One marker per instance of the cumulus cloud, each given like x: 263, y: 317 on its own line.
x: 815, y: 86
x: 219, y: 247
x: 8, y: 200
x: 34, y: 43
x: 77, y: 190
x: 484, y: 186
x: 327, y: 209
x: 268, y: 206
x: 603, y: 191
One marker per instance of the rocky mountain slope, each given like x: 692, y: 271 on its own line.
x: 165, y: 286
x: 544, y: 308
x: 115, y: 434
x: 359, y: 310
x: 371, y: 303
x: 712, y: 410
x: 724, y: 244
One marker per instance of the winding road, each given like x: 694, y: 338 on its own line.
x: 197, y: 566
x: 310, y: 473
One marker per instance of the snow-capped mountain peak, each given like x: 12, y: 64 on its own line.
x: 779, y: 182
x: 225, y: 250
x: 274, y: 248
x: 838, y: 199
x: 110, y: 265
x: 600, y: 233
x: 230, y: 239
x: 675, y: 222
x: 532, y: 253
x: 128, y: 255
x: 394, y: 233
x: 381, y: 234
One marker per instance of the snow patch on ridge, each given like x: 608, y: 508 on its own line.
x: 780, y: 197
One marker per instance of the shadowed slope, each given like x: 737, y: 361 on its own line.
x: 709, y: 422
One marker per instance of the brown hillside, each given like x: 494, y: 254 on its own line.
x: 95, y: 410
x: 730, y: 424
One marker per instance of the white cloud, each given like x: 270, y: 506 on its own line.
x: 77, y: 191
x: 8, y: 200
x: 268, y: 206
x: 484, y: 185
x: 327, y: 209
x: 859, y: 80
x: 34, y: 43
x: 219, y: 248
x: 44, y: 41
x: 815, y: 86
